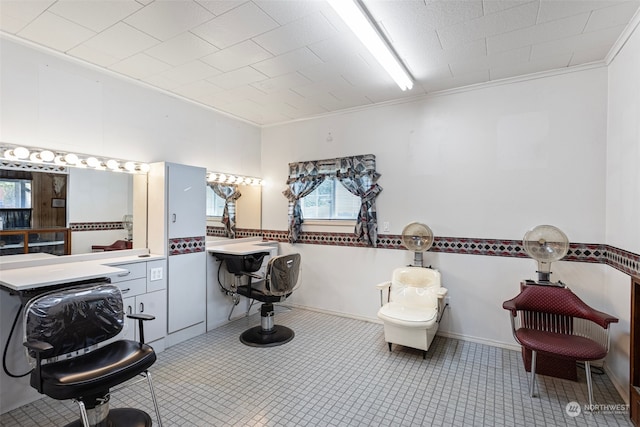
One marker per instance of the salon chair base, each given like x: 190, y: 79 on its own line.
x: 257, y: 337
x: 121, y: 417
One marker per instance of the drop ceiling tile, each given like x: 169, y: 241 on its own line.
x: 280, y: 97
x: 238, y: 93
x: 55, y: 32
x: 286, y: 81
x: 592, y: 54
x: 547, y: 31
x: 490, y: 25
x: 237, y: 56
x: 319, y: 88
x: 551, y: 10
x: 552, y: 62
x: 423, y: 65
x: 331, y: 103
x: 93, y: 56
x: 579, y: 42
x: 620, y: 14
x: 218, y: 7
x: 288, y: 62
x: 240, y: 77
x: 166, y: 19
x: 510, y: 57
x: 462, y: 80
x: 495, y: 6
x: 140, y: 66
x: 296, y: 34
x: 237, y: 25
x: 120, y: 41
x: 190, y: 72
x: 96, y: 15
x: 201, y: 90
x: 16, y: 14
x: 181, y: 49
x: 403, y: 15
x: 284, y: 12
x: 161, y: 81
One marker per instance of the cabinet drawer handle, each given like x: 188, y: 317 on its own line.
x: 130, y: 309
x: 124, y: 291
x: 141, y: 307
x: 126, y: 273
x: 174, y: 217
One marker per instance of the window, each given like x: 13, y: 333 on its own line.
x: 215, y: 203
x: 15, y: 193
x: 330, y: 201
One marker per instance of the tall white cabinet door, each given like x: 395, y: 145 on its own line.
x: 187, y: 290
x: 187, y: 200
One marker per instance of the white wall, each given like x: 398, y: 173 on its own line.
x: 54, y: 102
x: 623, y: 191
x: 485, y: 163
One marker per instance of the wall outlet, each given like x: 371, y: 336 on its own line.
x: 386, y: 226
x: 155, y: 274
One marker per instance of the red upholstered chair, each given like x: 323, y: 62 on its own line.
x: 552, y: 320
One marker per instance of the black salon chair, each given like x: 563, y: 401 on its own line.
x: 69, y: 334
x: 278, y: 283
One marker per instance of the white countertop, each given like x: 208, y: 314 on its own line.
x: 21, y: 279
x: 241, y: 248
x: 38, y: 272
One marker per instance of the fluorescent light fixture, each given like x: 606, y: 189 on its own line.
x: 354, y: 15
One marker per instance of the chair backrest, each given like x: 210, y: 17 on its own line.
x: 76, y: 318
x: 415, y: 286
x: 282, y: 274
x: 558, y: 301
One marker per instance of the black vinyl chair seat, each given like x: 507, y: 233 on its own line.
x: 260, y: 293
x: 95, y: 372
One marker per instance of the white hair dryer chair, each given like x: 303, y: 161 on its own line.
x: 414, y: 307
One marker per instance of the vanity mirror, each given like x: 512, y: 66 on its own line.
x: 63, y: 203
x: 234, y: 204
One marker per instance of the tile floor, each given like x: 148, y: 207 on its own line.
x: 339, y: 372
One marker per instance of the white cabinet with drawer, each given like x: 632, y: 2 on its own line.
x: 143, y: 288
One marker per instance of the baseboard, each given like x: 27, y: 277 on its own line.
x: 461, y: 337
x: 623, y: 388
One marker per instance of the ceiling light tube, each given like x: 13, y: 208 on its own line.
x: 357, y: 19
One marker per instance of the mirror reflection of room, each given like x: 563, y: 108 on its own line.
x: 33, y: 214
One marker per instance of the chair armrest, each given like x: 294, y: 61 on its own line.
x: 38, y: 347
x: 441, y: 292
x: 511, y: 306
x: 603, y: 319
x: 141, y: 317
x: 383, y: 285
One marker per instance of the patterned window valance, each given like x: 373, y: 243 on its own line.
x: 356, y: 173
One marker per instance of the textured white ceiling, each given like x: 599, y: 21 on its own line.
x: 269, y: 61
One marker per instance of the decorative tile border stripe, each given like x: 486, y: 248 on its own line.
x: 624, y: 261
x: 213, y: 231
x: 96, y: 226
x: 187, y: 245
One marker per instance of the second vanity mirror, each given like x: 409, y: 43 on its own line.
x: 244, y: 206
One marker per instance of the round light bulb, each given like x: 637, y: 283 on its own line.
x: 92, y: 162
x: 130, y: 166
x: 47, y: 155
x: 113, y: 164
x: 144, y: 167
x: 222, y: 177
x: 21, y: 152
x: 71, y: 159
